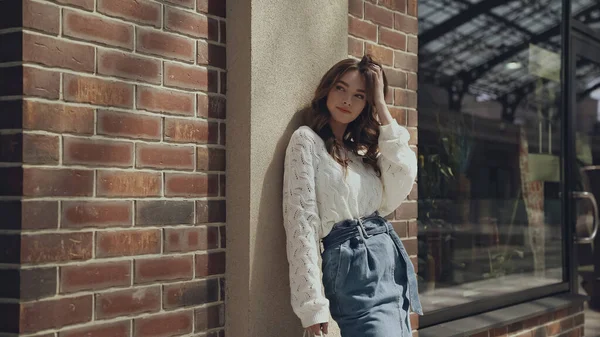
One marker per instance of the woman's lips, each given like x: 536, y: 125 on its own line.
x: 343, y: 110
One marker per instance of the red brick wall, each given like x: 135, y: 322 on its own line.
x: 112, y: 173
x: 387, y: 29
x: 566, y: 322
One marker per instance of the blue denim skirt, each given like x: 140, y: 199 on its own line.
x: 369, y: 279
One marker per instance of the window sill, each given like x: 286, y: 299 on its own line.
x: 501, y: 317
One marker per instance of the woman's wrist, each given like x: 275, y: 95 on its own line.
x: 380, y: 102
x: 383, y: 113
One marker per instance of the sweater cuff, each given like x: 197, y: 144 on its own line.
x: 393, y: 131
x: 321, y: 316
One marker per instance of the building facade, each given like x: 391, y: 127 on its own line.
x: 142, y: 145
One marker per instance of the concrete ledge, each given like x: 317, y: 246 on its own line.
x: 502, y: 317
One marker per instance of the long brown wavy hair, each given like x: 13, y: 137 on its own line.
x: 361, y: 135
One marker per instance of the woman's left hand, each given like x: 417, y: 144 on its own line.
x: 382, y: 115
x: 379, y: 94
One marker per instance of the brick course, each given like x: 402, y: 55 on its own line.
x: 564, y: 322
x: 108, y: 149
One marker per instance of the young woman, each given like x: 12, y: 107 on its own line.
x: 344, y: 172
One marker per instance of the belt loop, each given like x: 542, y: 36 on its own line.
x: 364, y: 230
x: 360, y: 232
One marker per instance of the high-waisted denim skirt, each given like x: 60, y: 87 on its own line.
x: 369, y: 279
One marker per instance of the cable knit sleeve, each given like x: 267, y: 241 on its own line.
x: 398, y: 165
x: 301, y: 221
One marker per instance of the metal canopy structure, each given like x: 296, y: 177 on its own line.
x: 482, y: 47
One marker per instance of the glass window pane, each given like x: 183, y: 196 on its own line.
x: 489, y: 150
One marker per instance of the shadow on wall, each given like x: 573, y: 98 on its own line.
x: 278, y: 317
x: 271, y: 245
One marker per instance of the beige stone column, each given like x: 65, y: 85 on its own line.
x: 276, y: 53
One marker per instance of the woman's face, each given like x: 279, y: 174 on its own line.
x: 347, y: 98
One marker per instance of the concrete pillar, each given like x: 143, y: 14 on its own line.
x: 276, y: 53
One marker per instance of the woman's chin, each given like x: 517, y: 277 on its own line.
x: 343, y: 119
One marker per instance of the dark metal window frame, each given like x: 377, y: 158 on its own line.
x: 569, y: 26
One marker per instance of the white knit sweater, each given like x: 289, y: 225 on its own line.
x: 316, y: 195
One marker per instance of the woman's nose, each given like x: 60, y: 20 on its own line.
x: 346, y: 101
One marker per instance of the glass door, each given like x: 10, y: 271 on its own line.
x: 583, y: 161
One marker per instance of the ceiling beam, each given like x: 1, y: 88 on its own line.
x: 458, y: 20
x: 479, y: 70
x: 502, y: 19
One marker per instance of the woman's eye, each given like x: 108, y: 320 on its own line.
x: 339, y: 87
x: 360, y: 96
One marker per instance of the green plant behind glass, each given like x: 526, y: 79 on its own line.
x: 442, y: 161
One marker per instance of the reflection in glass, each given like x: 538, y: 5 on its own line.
x: 489, y: 149
x: 590, y: 18
x: 587, y: 163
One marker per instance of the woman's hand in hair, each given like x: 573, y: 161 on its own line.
x: 379, y: 95
x: 317, y: 328
x: 383, y: 114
